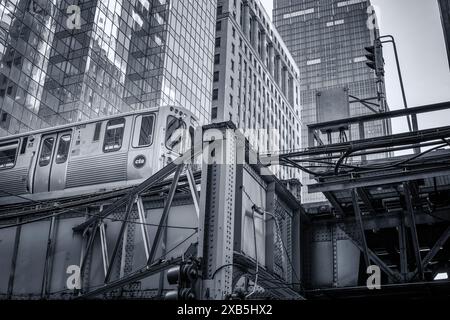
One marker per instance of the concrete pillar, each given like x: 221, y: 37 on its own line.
x: 285, y: 85
x: 264, y: 48
x: 271, y: 59
x: 291, y: 90
x: 255, y: 29
x: 246, y: 21
x: 278, y: 70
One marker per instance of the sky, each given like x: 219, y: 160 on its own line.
x: 416, y: 27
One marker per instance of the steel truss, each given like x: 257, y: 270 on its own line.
x: 217, y: 208
x: 129, y: 201
x: 408, y: 194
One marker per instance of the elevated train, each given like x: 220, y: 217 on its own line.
x: 92, y: 156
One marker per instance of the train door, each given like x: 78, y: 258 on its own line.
x: 142, y: 152
x: 50, y: 172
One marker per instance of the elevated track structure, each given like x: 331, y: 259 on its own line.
x: 240, y: 232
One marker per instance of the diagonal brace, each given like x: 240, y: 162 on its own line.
x: 393, y: 275
x: 165, y: 213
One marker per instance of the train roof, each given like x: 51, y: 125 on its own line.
x: 94, y: 120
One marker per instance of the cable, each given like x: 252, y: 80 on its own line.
x: 284, y: 246
x: 279, y: 231
x: 220, y: 268
x: 256, y: 255
x: 145, y: 223
x: 179, y: 244
x: 164, y: 255
x: 350, y: 151
x: 106, y: 218
x: 296, y: 165
x: 88, y: 214
x: 31, y: 221
x: 72, y: 290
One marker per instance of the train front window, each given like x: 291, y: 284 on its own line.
x: 143, y: 132
x: 46, y: 151
x: 8, y: 154
x: 175, y: 131
x: 114, y: 135
x: 63, y: 148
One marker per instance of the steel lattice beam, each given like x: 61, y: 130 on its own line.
x: 165, y: 213
x: 434, y: 250
x: 384, y: 115
x: 366, y: 199
x: 144, y: 186
x: 361, y: 227
x: 413, y: 228
x: 138, y: 275
x: 382, y: 179
x: 334, y: 202
x: 393, y: 275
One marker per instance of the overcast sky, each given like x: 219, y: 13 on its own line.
x: 416, y: 26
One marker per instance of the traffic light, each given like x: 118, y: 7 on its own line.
x: 185, y: 277
x: 375, y: 58
x: 371, y: 57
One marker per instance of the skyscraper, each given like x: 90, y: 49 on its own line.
x: 444, y: 6
x: 61, y: 63
x: 256, y: 80
x: 327, y: 40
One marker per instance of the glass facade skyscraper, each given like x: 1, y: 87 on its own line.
x: 123, y: 55
x: 444, y: 6
x: 327, y: 40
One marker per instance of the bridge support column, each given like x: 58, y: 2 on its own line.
x: 217, y: 209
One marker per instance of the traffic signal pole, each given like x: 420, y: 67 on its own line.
x: 415, y: 126
x: 376, y: 62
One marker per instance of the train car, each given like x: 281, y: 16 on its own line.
x: 92, y: 156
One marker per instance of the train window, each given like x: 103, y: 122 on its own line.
x: 8, y: 154
x: 46, y: 151
x: 174, y: 136
x: 114, y: 135
x: 98, y: 128
x: 63, y: 148
x: 143, y: 134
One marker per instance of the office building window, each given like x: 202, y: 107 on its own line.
x: 215, y: 95
x: 5, y: 119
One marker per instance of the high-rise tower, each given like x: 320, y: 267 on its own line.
x: 62, y: 62
x: 256, y: 80
x: 327, y: 40
x: 444, y: 6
